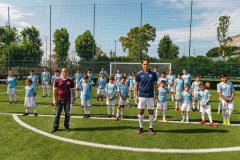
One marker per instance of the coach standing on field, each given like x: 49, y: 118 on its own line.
x: 62, y: 93
x: 146, y: 82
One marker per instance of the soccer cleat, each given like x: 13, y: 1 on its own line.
x: 202, y: 122
x: 54, y: 130
x: 187, y: 121
x: 155, y: 120
x: 88, y: 115
x: 25, y: 114
x: 213, y: 125
x: 10, y: 102
x: 15, y: 102
x: 85, y: 116
x: 182, y: 120
x: 164, y: 120
x: 129, y: 105
x: 113, y: 116
x: 151, y: 131
x: 139, y: 130
x: 225, y: 122
x: 67, y: 129
x: 228, y: 122
x: 35, y: 114
x: 117, y: 118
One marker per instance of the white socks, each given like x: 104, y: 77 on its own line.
x: 151, y: 117
x: 141, y: 117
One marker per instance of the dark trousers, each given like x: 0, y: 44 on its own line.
x: 62, y: 104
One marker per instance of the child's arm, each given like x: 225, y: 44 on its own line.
x: 232, y: 97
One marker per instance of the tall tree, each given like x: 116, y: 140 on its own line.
x: 166, y: 49
x: 8, y: 40
x: 137, y: 41
x: 85, y: 46
x: 31, y: 44
x: 222, y: 29
x: 62, y: 44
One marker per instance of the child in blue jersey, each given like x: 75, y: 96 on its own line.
x: 78, y: 77
x: 195, y: 89
x: 35, y: 83
x: 11, y: 88
x: 204, y: 99
x: 226, y: 93
x: 162, y: 100
x: 104, y: 72
x: 45, y: 77
x: 186, y: 98
x: 178, y: 89
x: 29, y: 100
x: 56, y: 75
x: 170, y: 79
x: 86, y: 88
x: 111, y: 91
x: 162, y: 78
x: 187, y: 78
x: 101, y: 84
x: 131, y: 83
x: 128, y: 84
x: 156, y: 70
x: 118, y: 77
x: 123, y: 90
x: 90, y: 76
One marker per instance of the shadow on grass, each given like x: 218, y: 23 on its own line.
x: 189, y: 131
x: 101, y: 128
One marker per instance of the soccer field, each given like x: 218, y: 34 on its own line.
x: 18, y: 142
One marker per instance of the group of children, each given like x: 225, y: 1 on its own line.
x: 187, y: 96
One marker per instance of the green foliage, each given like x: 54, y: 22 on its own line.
x: 62, y: 44
x: 85, y: 46
x: 137, y: 41
x: 30, y: 45
x: 166, y: 49
x: 222, y: 29
x: 228, y: 50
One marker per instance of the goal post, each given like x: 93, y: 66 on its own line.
x: 127, y: 67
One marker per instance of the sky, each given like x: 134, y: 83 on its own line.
x: 114, y: 18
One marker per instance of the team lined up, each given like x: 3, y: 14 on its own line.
x: 187, y: 96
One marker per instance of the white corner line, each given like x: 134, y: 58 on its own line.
x: 115, y: 147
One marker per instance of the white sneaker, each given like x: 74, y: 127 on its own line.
x: 182, y: 120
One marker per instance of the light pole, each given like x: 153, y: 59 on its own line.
x: 115, y: 52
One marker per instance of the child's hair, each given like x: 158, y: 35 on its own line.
x: 89, y: 69
x: 224, y: 75
x: 57, y: 70
x: 163, y: 72
x: 186, y: 86
x: 45, y: 67
x: 124, y: 77
x: 202, y: 84
x: 197, y: 76
x: 32, y: 70
x: 163, y: 82
x: 29, y: 81
x: 155, y: 67
x: 179, y: 74
x: 78, y: 69
x: 111, y: 78
x: 85, y: 76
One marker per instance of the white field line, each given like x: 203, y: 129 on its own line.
x: 135, y: 120
x: 115, y: 147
